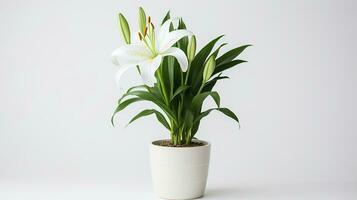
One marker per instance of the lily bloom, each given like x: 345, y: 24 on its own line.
x: 149, y: 52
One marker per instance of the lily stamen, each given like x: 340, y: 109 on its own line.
x: 145, y: 31
x: 152, y: 26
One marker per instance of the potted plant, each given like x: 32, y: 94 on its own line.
x: 177, y: 80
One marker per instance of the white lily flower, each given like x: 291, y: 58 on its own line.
x: 149, y: 52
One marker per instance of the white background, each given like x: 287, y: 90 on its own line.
x: 295, y: 98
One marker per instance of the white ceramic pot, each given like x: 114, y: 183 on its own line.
x: 179, y: 172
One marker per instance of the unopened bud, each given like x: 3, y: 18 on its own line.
x: 191, y: 48
x: 124, y: 27
x: 142, y: 20
x: 209, y: 68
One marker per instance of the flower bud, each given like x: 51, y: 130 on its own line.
x: 191, y: 48
x: 142, y: 20
x: 209, y: 68
x: 124, y: 27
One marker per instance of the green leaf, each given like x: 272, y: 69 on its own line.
x: 215, y: 53
x: 202, y: 115
x: 195, y: 128
x: 163, y: 71
x: 188, y: 119
x: 205, y: 51
x: 198, y: 99
x: 131, y: 89
x: 228, y: 65
x: 181, y: 24
x: 143, y: 95
x: 123, y: 105
x: 136, y: 87
x: 141, y: 114
x: 150, y: 97
x: 211, y: 83
x: 147, y: 112
x: 126, y: 103
x: 183, y: 42
x: 229, y: 113
x: 230, y: 55
x: 167, y: 16
x: 197, y: 65
x: 225, y: 111
x: 162, y: 119
x: 171, y: 71
x: 179, y: 90
x: 155, y: 91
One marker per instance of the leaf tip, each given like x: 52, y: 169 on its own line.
x: 219, y: 37
x: 112, y: 121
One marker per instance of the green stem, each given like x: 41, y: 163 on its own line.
x: 188, y: 73
x: 163, y: 88
x: 199, y: 91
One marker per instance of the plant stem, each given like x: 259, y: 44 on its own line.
x: 188, y: 73
x: 163, y: 88
x: 199, y: 91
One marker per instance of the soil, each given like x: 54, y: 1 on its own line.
x: 167, y: 143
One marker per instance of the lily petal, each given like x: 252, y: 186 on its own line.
x: 171, y: 38
x: 165, y: 28
x: 130, y: 54
x: 148, y: 70
x: 179, y: 55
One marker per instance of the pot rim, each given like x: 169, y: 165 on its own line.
x: 206, y: 144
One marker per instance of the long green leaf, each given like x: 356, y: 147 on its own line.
x: 150, y: 97
x: 141, y: 114
x: 183, y: 42
x: 131, y: 89
x: 171, y: 71
x: 228, y: 65
x: 188, y: 118
x: 211, y: 83
x: 179, y: 90
x: 230, y: 114
x: 215, y: 53
x: 147, y: 112
x: 225, y: 111
x: 123, y: 105
x: 198, y: 99
x: 164, y: 70
x: 205, y: 52
x: 230, y: 55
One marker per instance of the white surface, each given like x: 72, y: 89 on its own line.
x: 140, y: 191
x: 179, y: 173
x: 296, y: 98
